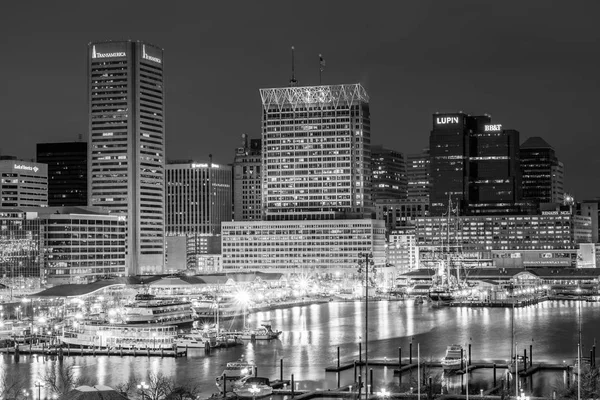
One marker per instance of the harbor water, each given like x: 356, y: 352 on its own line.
x: 312, y: 334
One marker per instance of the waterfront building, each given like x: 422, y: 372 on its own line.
x: 316, y: 152
x: 198, y: 201
x: 127, y: 144
x: 247, y: 180
x: 389, y: 174
x: 67, y: 172
x: 400, y: 213
x: 550, y: 239
x: 82, y: 244
x: 475, y: 163
x: 417, y: 175
x: 325, y: 246
x: 402, y: 251
x: 61, y: 244
x: 542, y: 172
x: 23, y: 183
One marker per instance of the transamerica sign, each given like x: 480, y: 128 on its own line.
x: 97, y: 54
x: 146, y: 56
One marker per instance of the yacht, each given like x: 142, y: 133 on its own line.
x: 252, y: 387
x: 235, y: 371
x: 264, y: 332
x: 454, y: 358
x: 148, y: 309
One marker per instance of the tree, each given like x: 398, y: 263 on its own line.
x: 11, y: 386
x: 61, y: 378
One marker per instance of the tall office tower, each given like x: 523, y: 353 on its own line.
x: 247, y: 180
x: 67, y: 172
x: 476, y: 164
x: 389, y: 174
x: 316, y: 152
x: 198, y: 200
x: 23, y: 183
x: 449, y: 156
x: 417, y: 175
x: 127, y: 144
x: 542, y: 172
x: 494, y: 172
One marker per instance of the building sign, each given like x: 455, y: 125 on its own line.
x: 23, y: 167
x: 205, y: 165
x: 148, y: 57
x: 446, y: 120
x: 97, y: 54
x: 556, y: 212
x: 492, y: 127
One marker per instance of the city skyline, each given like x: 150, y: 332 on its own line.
x: 534, y: 70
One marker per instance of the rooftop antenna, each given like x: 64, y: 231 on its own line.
x: 293, y: 81
x: 321, y: 67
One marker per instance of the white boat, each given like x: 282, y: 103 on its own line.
x: 192, y: 342
x: 236, y: 370
x: 454, y: 358
x: 120, y: 336
x: 264, y: 332
x: 518, y: 366
x: 252, y: 387
x: 212, y: 310
x: 148, y: 309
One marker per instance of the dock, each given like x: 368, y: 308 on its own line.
x: 114, y: 352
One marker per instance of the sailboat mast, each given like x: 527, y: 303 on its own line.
x: 448, y: 239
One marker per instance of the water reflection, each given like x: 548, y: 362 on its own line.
x: 312, y: 334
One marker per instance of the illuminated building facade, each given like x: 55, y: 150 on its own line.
x: 286, y: 246
x: 61, y: 244
x: 417, y: 175
x: 389, y: 174
x: 67, y: 172
x: 402, y: 250
x: 127, y: 144
x: 198, y: 200
x: 316, y: 152
x: 542, y: 172
x: 529, y: 240
x: 247, y: 180
x: 23, y: 184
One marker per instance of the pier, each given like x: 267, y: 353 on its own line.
x: 77, y: 351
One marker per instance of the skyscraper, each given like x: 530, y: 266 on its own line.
x: 67, y: 172
x: 127, y: 144
x: 389, y: 174
x: 542, y: 172
x: 417, y: 175
x: 198, y: 200
x: 247, y: 180
x: 316, y: 152
x: 475, y: 163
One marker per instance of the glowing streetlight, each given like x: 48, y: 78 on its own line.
x: 383, y: 393
x: 142, y: 387
x: 243, y: 298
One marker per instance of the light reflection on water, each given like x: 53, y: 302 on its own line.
x: 312, y: 334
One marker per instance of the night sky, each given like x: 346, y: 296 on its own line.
x: 532, y: 65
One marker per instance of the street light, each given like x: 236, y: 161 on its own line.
x: 366, y: 264
x: 39, y: 385
x: 142, y: 387
x: 383, y: 393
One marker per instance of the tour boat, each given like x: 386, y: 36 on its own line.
x: 148, y: 309
x: 264, y: 332
x: 236, y: 370
x: 252, y: 387
x: 120, y: 336
x: 453, y: 360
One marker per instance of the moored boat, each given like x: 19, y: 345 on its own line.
x: 263, y: 332
x: 454, y: 358
x: 148, y: 309
x: 252, y: 387
x: 120, y: 336
x: 236, y: 370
